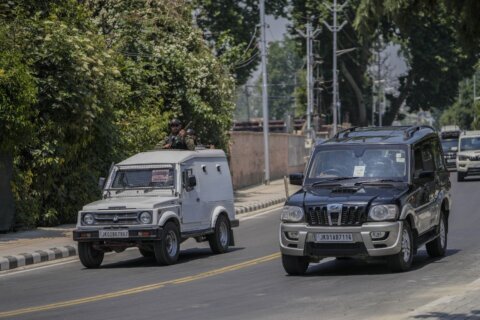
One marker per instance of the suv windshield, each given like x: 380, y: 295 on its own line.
x: 469, y: 143
x: 138, y: 178
x: 449, y: 144
x: 386, y: 162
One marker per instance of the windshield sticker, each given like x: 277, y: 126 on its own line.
x: 359, y: 171
x: 160, y: 175
x: 401, y: 160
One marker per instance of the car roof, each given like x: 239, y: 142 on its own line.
x: 171, y: 156
x: 382, y: 135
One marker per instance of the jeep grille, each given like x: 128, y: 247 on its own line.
x: 116, y: 218
x: 352, y: 215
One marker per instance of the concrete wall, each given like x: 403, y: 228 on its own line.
x: 287, y: 153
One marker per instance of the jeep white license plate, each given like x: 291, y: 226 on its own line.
x: 333, y: 237
x: 113, y: 234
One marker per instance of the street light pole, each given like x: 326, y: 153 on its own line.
x: 264, y: 93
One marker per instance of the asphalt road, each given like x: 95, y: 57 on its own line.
x: 249, y: 281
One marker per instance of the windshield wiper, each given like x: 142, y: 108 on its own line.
x: 378, y: 181
x: 332, y: 179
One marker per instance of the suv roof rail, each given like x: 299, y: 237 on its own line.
x: 345, y: 132
x: 409, y: 132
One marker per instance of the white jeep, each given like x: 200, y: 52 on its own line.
x: 154, y: 201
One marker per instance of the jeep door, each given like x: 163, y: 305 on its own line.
x: 191, y: 205
x: 424, y: 185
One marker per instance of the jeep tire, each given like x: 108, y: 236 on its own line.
x: 89, y: 256
x: 167, y: 249
x: 438, y: 246
x: 402, y: 261
x: 460, y: 176
x: 220, y: 239
x: 294, y: 265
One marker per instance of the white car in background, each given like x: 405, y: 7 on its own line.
x: 468, y: 155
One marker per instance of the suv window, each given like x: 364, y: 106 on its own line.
x: 423, y: 156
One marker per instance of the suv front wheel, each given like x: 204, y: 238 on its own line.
x: 295, y: 266
x: 402, y: 261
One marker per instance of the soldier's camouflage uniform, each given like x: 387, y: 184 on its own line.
x: 177, y: 142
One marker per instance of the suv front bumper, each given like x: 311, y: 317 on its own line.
x: 469, y: 167
x: 362, y: 245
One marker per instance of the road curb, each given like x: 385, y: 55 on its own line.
x: 25, y: 259
x: 259, y: 205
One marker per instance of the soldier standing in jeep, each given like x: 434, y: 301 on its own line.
x: 177, y: 139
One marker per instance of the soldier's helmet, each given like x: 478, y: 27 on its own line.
x: 175, y: 122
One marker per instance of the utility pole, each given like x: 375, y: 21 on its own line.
x: 309, y: 36
x: 334, y: 29
x: 263, y: 46
x: 247, y: 96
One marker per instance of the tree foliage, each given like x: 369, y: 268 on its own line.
x: 85, y: 83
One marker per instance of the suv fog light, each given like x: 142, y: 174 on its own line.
x: 88, y: 219
x: 292, y: 235
x: 146, y: 217
x: 377, y: 234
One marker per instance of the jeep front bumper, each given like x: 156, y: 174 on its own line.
x: 137, y: 234
x: 362, y: 244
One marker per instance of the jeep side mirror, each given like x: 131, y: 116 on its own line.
x: 454, y: 148
x: 296, y: 179
x: 101, y: 183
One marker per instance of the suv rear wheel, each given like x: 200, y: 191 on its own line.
x: 167, y: 250
x: 89, y: 256
x: 402, y: 261
x: 295, y: 266
x: 438, y: 247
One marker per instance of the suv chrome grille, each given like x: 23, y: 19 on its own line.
x: 352, y: 215
x: 116, y: 218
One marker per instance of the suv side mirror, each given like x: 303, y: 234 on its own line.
x: 454, y: 148
x: 101, y: 183
x: 296, y: 179
x: 425, y: 176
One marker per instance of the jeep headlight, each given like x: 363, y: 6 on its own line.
x: 383, y: 212
x: 292, y: 214
x: 88, y: 219
x: 145, y: 217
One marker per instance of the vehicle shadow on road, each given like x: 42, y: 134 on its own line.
x: 473, y: 315
x: 354, y: 267
x: 186, y: 255
x: 469, y: 179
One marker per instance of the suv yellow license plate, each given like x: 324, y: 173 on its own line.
x: 333, y: 237
x: 113, y: 234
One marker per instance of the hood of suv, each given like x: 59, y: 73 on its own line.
x: 130, y: 203
x: 469, y: 153
x: 345, y: 194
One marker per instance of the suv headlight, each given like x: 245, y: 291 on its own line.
x: 383, y: 212
x: 88, y: 219
x: 145, y: 217
x: 292, y: 214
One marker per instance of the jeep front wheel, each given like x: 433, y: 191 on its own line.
x: 402, y: 261
x: 89, y: 256
x: 460, y: 176
x: 438, y: 247
x: 167, y: 249
x: 295, y: 266
x: 220, y: 239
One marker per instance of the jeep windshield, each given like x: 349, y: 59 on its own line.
x: 469, y: 143
x: 161, y: 177
x: 377, y: 163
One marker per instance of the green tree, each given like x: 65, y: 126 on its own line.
x: 17, y: 95
x: 231, y: 27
